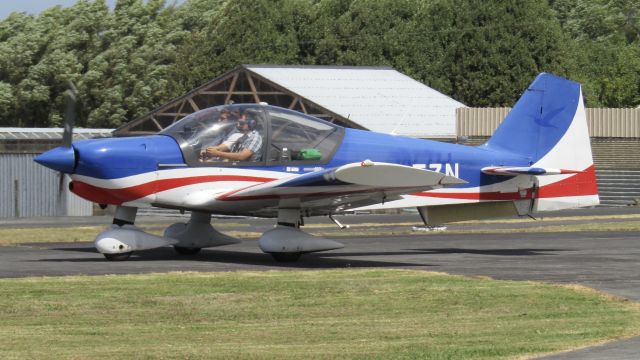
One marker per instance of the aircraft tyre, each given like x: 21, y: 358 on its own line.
x: 117, y: 257
x: 183, y: 250
x: 286, y: 257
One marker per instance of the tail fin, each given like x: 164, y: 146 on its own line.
x: 548, y: 126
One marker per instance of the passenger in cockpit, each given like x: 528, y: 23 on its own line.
x: 225, y: 122
x: 222, y: 130
x: 245, y: 144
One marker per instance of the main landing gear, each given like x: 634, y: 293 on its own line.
x: 286, y: 242
x: 197, y: 234
x: 122, y: 238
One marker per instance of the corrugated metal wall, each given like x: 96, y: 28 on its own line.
x: 608, y: 123
x: 614, y: 123
x: 28, y: 189
x: 479, y: 121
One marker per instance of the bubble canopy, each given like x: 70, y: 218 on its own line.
x: 276, y: 136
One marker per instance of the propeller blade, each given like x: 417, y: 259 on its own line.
x: 69, y: 114
x: 67, y: 139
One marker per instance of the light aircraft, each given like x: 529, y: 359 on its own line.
x: 539, y: 159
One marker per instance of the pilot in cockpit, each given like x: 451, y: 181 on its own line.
x: 244, y: 143
x: 218, y: 130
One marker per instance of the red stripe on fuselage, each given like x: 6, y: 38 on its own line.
x: 581, y: 184
x: 118, y: 196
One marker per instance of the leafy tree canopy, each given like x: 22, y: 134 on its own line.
x: 128, y: 60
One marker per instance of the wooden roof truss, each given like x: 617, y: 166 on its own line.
x: 240, y: 85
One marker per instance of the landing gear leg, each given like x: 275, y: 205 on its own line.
x: 290, y: 218
x: 122, y: 238
x: 196, y: 234
x: 286, y: 242
x: 125, y: 215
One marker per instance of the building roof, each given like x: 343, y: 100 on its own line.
x: 377, y: 98
x: 9, y: 133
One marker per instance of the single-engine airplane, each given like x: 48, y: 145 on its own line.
x: 287, y: 165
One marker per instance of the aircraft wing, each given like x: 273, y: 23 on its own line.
x: 341, y: 182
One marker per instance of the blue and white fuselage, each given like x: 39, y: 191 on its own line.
x: 539, y: 159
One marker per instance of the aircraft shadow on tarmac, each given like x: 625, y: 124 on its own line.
x: 497, y: 252
x: 307, y: 261
x: 317, y: 260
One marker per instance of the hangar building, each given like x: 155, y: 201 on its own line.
x: 374, y: 98
x: 28, y: 189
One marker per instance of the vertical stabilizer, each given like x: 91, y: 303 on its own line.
x: 548, y: 126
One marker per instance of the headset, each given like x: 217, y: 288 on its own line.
x: 251, y: 121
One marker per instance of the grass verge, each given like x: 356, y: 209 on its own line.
x: 309, y: 314
x: 12, y: 236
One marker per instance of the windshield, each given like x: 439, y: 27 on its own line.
x: 297, y: 137
x: 228, y: 133
x: 254, y: 133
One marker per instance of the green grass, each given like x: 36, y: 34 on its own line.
x: 406, y: 229
x: 302, y: 314
x: 12, y: 236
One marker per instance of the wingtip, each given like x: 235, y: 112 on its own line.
x: 452, y: 180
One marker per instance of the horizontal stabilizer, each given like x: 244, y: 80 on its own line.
x: 524, y: 170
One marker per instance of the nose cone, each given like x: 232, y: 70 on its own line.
x: 61, y: 159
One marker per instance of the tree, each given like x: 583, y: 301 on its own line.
x: 129, y: 60
x: 615, y: 21
x: 605, y: 51
x: 131, y: 75
x: 609, y: 74
x: 242, y: 31
x: 485, y: 53
x: 40, y: 60
x: 7, y: 104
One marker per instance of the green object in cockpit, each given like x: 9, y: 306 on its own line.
x: 310, y: 154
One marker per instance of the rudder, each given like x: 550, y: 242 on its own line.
x: 539, y: 118
x: 548, y: 126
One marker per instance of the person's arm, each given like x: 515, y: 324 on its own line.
x: 242, y: 155
x: 224, y: 146
x: 213, y: 151
x: 232, y: 139
x: 223, y: 150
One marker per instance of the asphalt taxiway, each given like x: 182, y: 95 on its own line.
x: 607, y: 261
